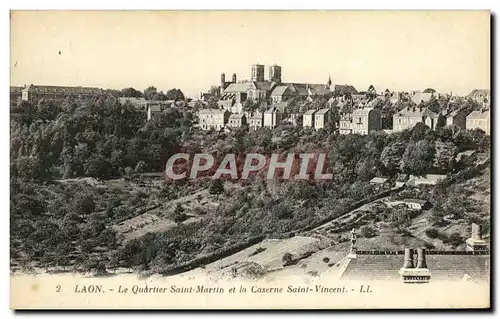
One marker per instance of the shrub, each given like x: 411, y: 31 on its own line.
x: 368, y: 232
x: 432, y: 233
x: 326, y: 260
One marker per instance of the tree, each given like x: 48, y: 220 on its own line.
x: 84, y: 204
x: 216, y: 188
x: 417, y: 158
x: 250, y: 106
x: 391, y: 156
x: 371, y: 93
x: 445, y: 156
x: 131, y: 92
x: 368, y: 232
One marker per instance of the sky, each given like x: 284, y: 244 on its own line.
x: 413, y: 50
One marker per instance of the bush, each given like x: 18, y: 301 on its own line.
x: 455, y: 239
x: 326, y: 260
x: 432, y: 233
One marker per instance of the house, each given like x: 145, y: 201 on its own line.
x: 35, y: 92
x: 237, y: 120
x: 345, y: 123
x: 366, y: 120
x: 380, y: 182
x: 256, y: 121
x: 433, y: 119
x: 322, y: 118
x: 429, y: 179
x: 281, y: 93
x: 308, y: 118
x: 407, y: 118
x: 479, y: 119
x: 411, y: 203
x: 272, y: 117
x: 456, y: 117
x: 213, y: 118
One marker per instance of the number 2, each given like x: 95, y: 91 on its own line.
x: 58, y: 288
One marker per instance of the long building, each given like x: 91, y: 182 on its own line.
x: 34, y: 93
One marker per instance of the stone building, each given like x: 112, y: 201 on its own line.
x: 272, y: 117
x: 237, y: 120
x: 33, y: 93
x: 256, y: 121
x: 308, y: 118
x: 407, y: 118
x: 479, y: 119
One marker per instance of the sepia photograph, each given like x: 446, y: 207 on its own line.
x: 250, y: 159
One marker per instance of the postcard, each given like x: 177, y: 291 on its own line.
x: 250, y: 160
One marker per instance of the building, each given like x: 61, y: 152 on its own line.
x: 433, y: 119
x: 308, y: 118
x: 256, y: 121
x: 258, y: 73
x: 237, y: 120
x: 366, y: 120
x: 482, y: 97
x: 479, y: 119
x: 414, y: 265
x: 456, y: 117
x: 213, y: 118
x: 407, y: 118
x: 281, y: 93
x: 258, y: 89
x: 275, y: 73
x: 345, y: 123
x: 272, y: 117
x: 33, y: 93
x: 16, y: 93
x: 322, y: 118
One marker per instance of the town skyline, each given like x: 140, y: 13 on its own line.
x: 384, y: 49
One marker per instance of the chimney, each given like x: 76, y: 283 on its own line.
x: 234, y: 78
x: 421, y: 262
x: 408, y: 258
